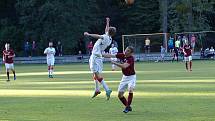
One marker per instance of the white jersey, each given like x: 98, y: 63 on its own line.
x: 113, y: 51
x: 50, y: 52
x: 101, y: 45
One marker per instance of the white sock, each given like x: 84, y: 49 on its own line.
x: 97, y: 88
x: 49, y: 72
x: 104, y: 85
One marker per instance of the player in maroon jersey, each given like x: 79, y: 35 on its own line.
x: 187, y: 50
x: 8, y: 55
x: 128, y: 78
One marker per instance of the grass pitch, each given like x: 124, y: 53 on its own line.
x: 164, y: 92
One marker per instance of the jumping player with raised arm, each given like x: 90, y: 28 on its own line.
x: 129, y: 77
x: 96, y: 60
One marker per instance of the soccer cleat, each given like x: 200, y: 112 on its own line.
x: 108, y: 93
x: 127, y: 109
x: 50, y: 76
x: 8, y: 80
x: 96, y: 93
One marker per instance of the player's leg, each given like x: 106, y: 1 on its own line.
x: 190, y: 62
x: 177, y: 57
x: 97, y: 88
x: 7, y: 71
x: 186, y: 59
x: 13, y: 70
x: 131, y: 87
x: 93, y: 68
x: 113, y: 65
x: 121, y: 89
x: 173, y: 57
x: 105, y: 86
x: 99, y: 77
x: 52, y: 68
x: 49, y: 67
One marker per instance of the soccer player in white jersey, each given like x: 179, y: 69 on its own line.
x: 113, y: 51
x: 96, y: 60
x: 50, y: 52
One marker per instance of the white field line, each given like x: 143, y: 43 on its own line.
x: 83, y: 72
x: 7, y: 92
x: 117, y: 81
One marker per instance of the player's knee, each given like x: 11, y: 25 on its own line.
x: 131, y: 90
x: 120, y: 95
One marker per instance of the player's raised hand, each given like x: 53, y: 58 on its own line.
x: 86, y: 34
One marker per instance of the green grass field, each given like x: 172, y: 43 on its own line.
x: 164, y: 92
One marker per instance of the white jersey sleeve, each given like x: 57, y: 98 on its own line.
x: 101, y: 44
x: 46, y: 51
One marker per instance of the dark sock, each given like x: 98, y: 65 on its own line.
x: 186, y: 65
x: 8, y: 76
x: 190, y: 65
x: 130, y: 97
x: 123, y: 100
x: 14, y: 73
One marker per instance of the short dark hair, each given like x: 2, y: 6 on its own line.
x: 131, y: 48
x: 112, y: 31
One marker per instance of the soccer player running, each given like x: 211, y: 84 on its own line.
x: 50, y: 52
x: 113, y: 50
x: 96, y: 60
x: 187, y: 50
x: 8, y: 55
x: 129, y: 76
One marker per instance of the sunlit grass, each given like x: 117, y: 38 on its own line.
x: 164, y: 92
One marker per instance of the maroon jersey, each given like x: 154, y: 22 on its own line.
x: 188, y: 50
x: 130, y: 60
x: 6, y: 55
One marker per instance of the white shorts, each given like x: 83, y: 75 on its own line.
x: 96, y: 64
x: 189, y: 58
x: 128, y: 82
x: 50, y: 62
x: 113, y: 59
x: 9, y: 66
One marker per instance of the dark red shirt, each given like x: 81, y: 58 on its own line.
x: 188, y: 50
x: 6, y: 54
x: 130, y: 60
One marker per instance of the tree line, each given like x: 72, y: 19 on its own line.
x: 66, y: 20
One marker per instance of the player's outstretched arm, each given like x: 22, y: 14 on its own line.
x: 106, y: 55
x: 123, y: 66
x: 107, y: 25
x: 96, y: 36
x: 45, y: 51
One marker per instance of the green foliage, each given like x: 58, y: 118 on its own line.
x: 182, y: 11
x: 66, y: 20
